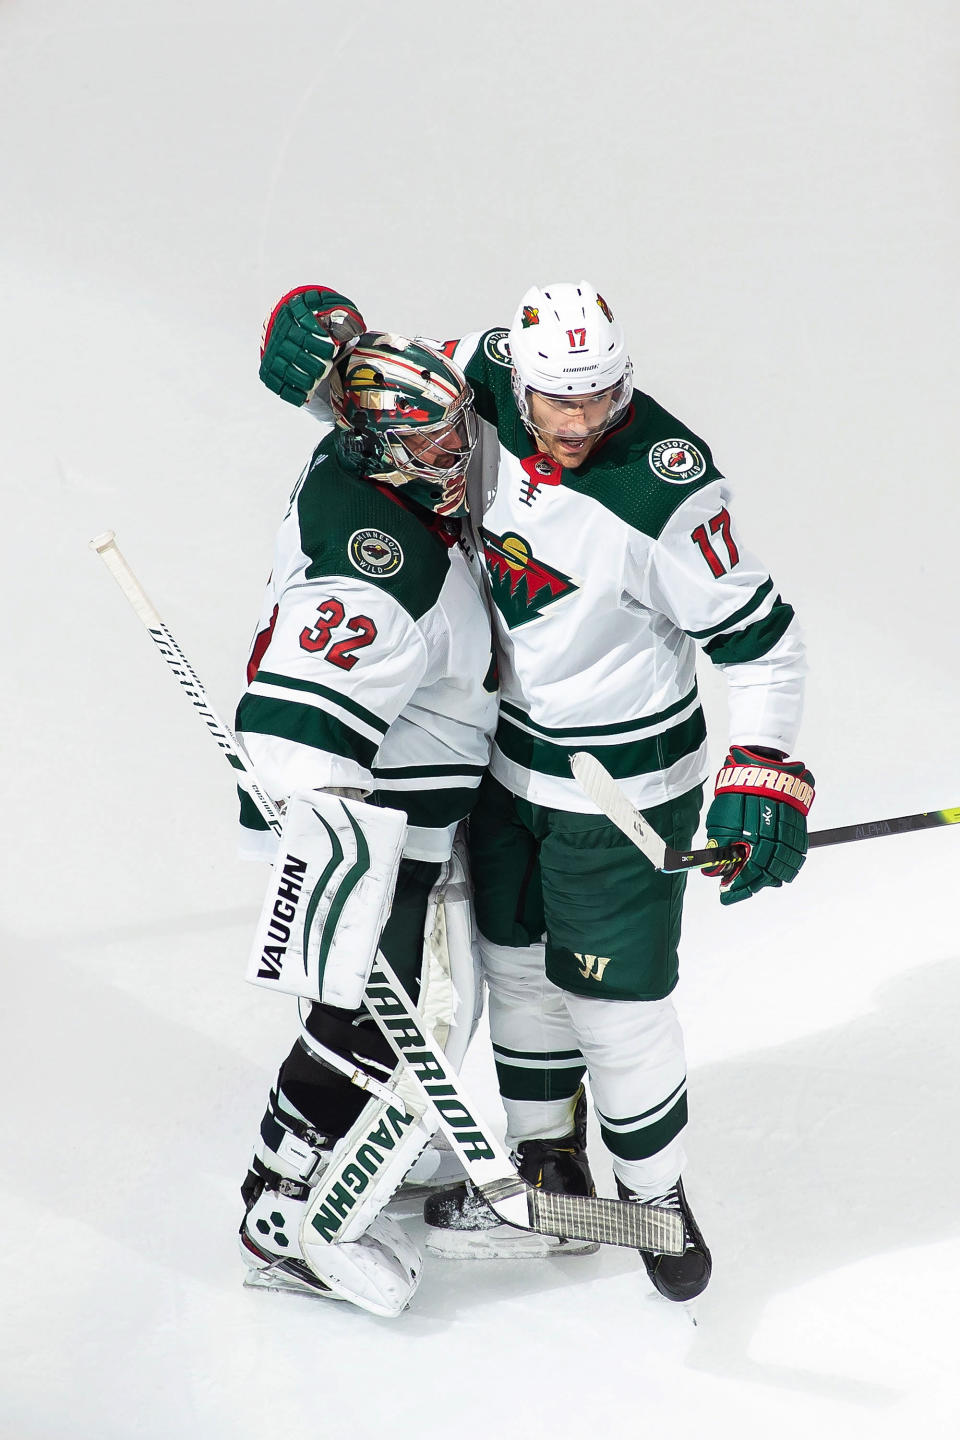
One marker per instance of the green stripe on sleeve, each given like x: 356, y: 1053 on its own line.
x: 428, y: 809
x: 305, y: 724
x: 310, y: 687
x: 754, y: 642
x: 250, y: 817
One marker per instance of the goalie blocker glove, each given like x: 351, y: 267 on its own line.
x: 761, y: 802
x: 303, y: 335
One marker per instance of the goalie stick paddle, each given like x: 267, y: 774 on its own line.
x: 485, y: 1160
x: 603, y: 790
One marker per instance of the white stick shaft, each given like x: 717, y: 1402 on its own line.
x: 603, y: 790
x: 106, y: 547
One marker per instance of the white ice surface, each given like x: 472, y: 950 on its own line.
x: 768, y: 195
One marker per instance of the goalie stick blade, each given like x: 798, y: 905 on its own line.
x: 611, y: 1222
x: 604, y: 791
x: 590, y: 1217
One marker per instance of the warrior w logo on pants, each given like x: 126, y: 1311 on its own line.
x: 592, y: 966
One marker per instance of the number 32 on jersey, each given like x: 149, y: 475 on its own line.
x: 332, y: 616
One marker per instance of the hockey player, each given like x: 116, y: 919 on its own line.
x: 369, y: 686
x: 611, y: 555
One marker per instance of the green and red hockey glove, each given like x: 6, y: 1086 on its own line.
x: 762, y: 803
x: 305, y: 332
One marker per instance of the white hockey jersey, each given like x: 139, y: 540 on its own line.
x: 604, y: 581
x: 371, y: 666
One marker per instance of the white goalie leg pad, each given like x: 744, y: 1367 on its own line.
x: 378, y: 1272
x: 328, y: 899
x: 315, y: 1225
x: 435, y: 1168
x: 365, y: 1167
x: 390, y: 1143
x: 384, y: 1145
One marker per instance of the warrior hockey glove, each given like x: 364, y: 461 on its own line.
x: 761, y: 803
x: 303, y: 335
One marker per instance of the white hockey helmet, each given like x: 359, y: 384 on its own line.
x: 564, y: 342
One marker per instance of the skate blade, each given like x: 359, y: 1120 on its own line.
x: 502, y: 1242
x: 420, y: 1189
x: 271, y: 1279
x: 688, y: 1308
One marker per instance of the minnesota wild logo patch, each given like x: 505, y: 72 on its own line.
x: 374, y: 552
x: 497, y: 347
x: 677, y: 461
x: 522, y: 586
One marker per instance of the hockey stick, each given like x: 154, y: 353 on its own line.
x: 611, y: 1222
x: 604, y: 791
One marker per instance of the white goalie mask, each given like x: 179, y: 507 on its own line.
x: 566, y: 344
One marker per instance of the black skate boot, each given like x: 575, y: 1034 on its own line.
x: 462, y: 1226
x: 677, y: 1277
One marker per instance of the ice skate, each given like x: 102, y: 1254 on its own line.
x: 677, y: 1277
x: 462, y: 1226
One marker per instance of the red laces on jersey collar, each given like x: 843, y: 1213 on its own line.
x: 542, y: 470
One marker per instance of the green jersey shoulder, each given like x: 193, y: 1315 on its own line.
x: 642, y: 471
x: 349, y: 526
x: 646, y: 468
